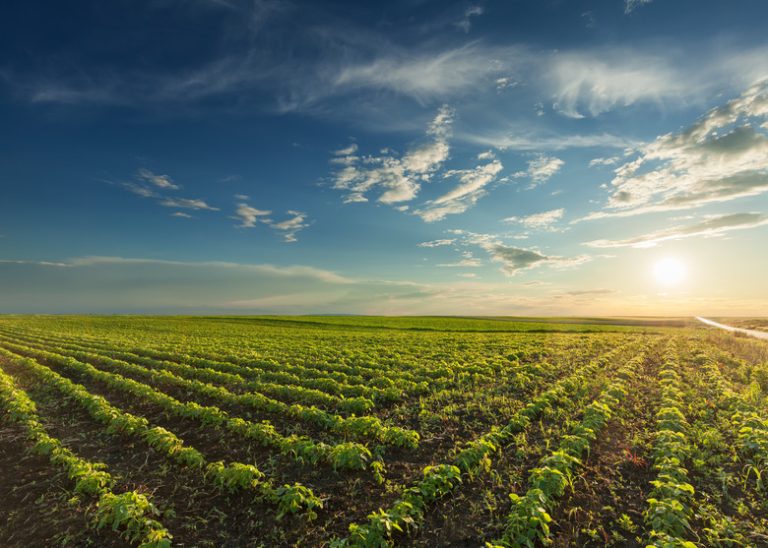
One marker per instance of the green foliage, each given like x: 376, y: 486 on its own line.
x: 132, y: 512
x: 291, y: 499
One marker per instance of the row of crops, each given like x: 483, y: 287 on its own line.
x: 365, y: 433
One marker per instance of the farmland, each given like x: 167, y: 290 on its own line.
x: 759, y: 324
x: 369, y: 432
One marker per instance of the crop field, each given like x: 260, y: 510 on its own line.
x: 372, y: 432
x: 758, y: 324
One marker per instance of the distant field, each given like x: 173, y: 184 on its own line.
x: 760, y: 324
x: 377, y: 431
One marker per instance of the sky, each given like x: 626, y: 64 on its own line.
x: 511, y: 157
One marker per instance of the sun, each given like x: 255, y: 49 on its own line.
x: 669, y: 271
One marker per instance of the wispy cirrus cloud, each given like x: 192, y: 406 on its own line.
x: 187, y: 203
x: 584, y: 83
x: 429, y: 76
x: 632, y: 5
x: 536, y: 140
x: 710, y: 227
x: 160, y: 181
x: 151, y: 185
x: 465, y: 23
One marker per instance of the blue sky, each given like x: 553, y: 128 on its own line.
x: 410, y: 157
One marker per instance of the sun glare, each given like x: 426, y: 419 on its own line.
x: 669, y: 271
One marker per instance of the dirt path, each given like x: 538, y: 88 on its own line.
x: 750, y: 332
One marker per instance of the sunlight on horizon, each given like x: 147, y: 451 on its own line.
x: 670, y: 271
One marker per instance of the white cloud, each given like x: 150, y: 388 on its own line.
x: 541, y: 169
x: 181, y: 215
x: 186, y: 203
x: 468, y: 260
x: 291, y: 226
x: 249, y: 216
x: 713, y: 226
x: 632, y: 5
x: 160, y: 181
x: 140, y: 190
x: 721, y: 157
x: 506, y: 82
x: 466, y: 23
x: 533, y: 140
x: 287, y: 271
x: 539, y: 221
x: 463, y: 263
x: 513, y: 259
x: 598, y: 162
x: 516, y: 259
x: 471, y: 188
x: 346, y: 151
x: 397, y: 179
x: 437, y: 243
x: 586, y: 83
x: 423, y: 76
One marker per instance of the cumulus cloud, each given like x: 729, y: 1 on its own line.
x: 539, y: 221
x: 396, y: 179
x: 513, y: 259
x: 160, y: 181
x: 721, y: 157
x: 516, y: 259
x: 713, y: 226
x: 472, y: 186
x: 187, y: 203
